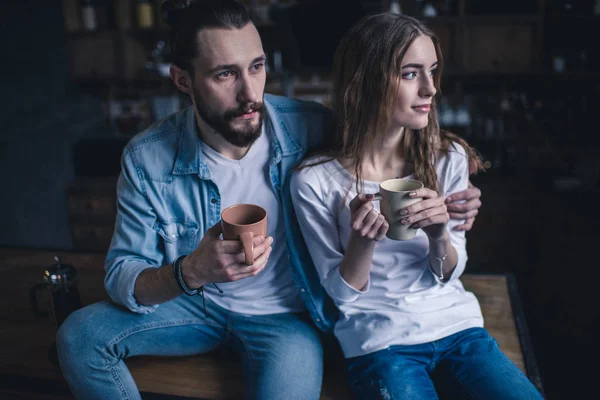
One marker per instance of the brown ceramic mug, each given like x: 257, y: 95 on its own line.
x: 243, y: 222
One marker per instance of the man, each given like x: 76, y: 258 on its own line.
x: 176, y: 287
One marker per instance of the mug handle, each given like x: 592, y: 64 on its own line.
x: 247, y: 239
x: 33, y: 299
x: 377, y: 196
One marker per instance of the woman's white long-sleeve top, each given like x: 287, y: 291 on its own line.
x: 403, y: 303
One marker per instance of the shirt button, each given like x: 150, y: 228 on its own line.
x: 318, y: 319
x: 303, y: 290
x: 213, y: 200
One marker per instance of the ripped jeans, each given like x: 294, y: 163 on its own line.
x: 465, y: 365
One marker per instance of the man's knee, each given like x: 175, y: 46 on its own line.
x: 69, y: 334
x: 80, y: 333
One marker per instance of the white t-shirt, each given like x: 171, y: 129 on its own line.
x: 403, y: 303
x: 247, y: 180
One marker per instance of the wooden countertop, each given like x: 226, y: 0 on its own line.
x: 26, y: 338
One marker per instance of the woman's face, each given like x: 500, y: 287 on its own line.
x: 416, y: 89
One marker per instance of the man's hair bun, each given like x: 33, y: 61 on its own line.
x: 172, y: 11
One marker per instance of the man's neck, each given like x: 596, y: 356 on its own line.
x: 218, y: 143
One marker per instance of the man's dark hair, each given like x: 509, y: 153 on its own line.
x: 187, y: 17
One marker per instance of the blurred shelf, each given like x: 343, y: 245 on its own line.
x: 482, y: 19
x: 534, y: 73
x: 156, y: 84
x: 439, y: 20
x: 580, y: 17
x: 517, y: 42
x: 502, y: 19
x: 585, y: 75
x: 491, y: 74
x: 86, y: 33
x: 147, y: 34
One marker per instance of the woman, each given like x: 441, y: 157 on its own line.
x: 407, y: 327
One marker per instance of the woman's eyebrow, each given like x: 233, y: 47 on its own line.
x: 419, y: 66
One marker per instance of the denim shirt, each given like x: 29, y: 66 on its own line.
x: 167, y: 200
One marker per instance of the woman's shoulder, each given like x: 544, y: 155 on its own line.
x: 318, y: 164
x: 453, y: 161
x: 456, y: 149
x: 318, y: 160
x: 455, y: 154
x: 321, y: 169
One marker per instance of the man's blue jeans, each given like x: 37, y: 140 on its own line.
x: 466, y: 365
x: 282, y: 354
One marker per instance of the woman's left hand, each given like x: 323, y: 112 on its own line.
x: 429, y: 214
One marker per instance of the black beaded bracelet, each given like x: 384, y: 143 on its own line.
x: 176, y: 268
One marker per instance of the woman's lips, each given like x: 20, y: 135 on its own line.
x: 424, y: 108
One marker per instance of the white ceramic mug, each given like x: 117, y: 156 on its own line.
x: 393, y: 196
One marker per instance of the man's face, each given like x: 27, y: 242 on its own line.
x: 229, y: 83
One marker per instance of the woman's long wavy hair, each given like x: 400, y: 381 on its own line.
x: 366, y: 74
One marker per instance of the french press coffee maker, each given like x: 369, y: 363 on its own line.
x: 60, y: 283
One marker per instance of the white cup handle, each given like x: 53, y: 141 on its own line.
x: 377, y: 196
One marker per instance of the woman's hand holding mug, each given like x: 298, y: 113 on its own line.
x: 405, y: 207
x: 429, y: 214
x: 365, y: 220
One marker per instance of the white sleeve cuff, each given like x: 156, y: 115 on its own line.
x: 456, y: 272
x: 341, y: 290
x: 436, y: 275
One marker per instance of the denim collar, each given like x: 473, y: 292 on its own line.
x: 189, y: 159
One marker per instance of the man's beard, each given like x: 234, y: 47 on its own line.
x: 242, y: 136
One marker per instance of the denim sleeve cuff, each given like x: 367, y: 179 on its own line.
x: 342, y: 291
x: 126, y: 285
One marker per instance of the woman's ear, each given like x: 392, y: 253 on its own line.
x: 181, y: 78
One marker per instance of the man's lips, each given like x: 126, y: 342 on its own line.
x: 425, y: 108
x: 248, y: 115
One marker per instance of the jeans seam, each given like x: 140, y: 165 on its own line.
x: 152, y: 326
x: 119, y: 382
x: 107, y: 360
x: 464, y: 386
x: 250, y: 363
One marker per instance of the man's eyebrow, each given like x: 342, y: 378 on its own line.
x: 420, y: 66
x: 222, y: 67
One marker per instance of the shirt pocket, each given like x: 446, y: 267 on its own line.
x: 179, y: 238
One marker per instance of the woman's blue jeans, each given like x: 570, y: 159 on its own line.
x: 466, y: 365
x: 282, y: 354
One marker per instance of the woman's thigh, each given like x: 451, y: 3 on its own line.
x: 398, y: 372
x: 474, y: 367
x: 282, y: 355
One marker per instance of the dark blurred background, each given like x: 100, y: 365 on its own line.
x: 521, y: 84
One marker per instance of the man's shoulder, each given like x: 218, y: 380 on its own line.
x: 155, y: 148
x: 163, y: 131
x: 299, y: 123
x: 286, y: 105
